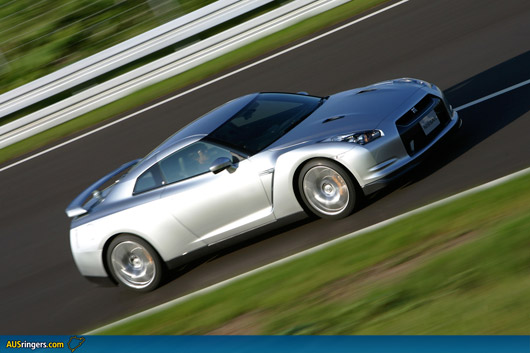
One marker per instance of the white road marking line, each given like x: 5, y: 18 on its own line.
x: 371, y: 228
x: 493, y: 95
x: 204, y: 85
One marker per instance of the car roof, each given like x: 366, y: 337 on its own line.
x: 200, y: 128
x: 207, y: 123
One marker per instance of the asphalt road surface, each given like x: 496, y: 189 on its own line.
x: 469, y: 48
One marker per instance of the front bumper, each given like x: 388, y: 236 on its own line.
x: 450, y: 129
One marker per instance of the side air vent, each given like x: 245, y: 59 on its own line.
x: 333, y: 119
x: 367, y: 90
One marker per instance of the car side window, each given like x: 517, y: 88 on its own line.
x: 150, y: 179
x: 191, y: 161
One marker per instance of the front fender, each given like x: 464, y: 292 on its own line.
x: 288, y: 164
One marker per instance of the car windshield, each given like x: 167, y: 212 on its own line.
x: 264, y: 120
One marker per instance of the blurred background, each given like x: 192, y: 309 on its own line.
x: 39, y: 37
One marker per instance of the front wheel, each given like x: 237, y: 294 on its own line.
x: 134, y: 263
x: 326, y: 189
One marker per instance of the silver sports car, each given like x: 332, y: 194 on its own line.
x: 250, y: 163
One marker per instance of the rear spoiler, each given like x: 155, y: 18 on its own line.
x: 75, y: 208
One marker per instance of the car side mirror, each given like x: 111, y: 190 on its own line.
x: 220, y: 164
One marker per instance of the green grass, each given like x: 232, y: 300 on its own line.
x: 199, y: 73
x: 462, y: 268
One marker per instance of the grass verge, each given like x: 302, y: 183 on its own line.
x: 194, y: 75
x: 461, y: 268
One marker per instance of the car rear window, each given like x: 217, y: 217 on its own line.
x: 148, y: 180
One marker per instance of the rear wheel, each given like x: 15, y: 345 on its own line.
x: 134, y: 263
x: 326, y: 189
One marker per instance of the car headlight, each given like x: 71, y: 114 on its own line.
x: 360, y: 138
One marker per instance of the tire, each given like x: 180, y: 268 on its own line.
x: 134, y: 264
x: 327, y: 190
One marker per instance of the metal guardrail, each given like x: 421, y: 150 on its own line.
x: 163, y: 68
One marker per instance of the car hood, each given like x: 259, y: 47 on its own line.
x: 354, y: 110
